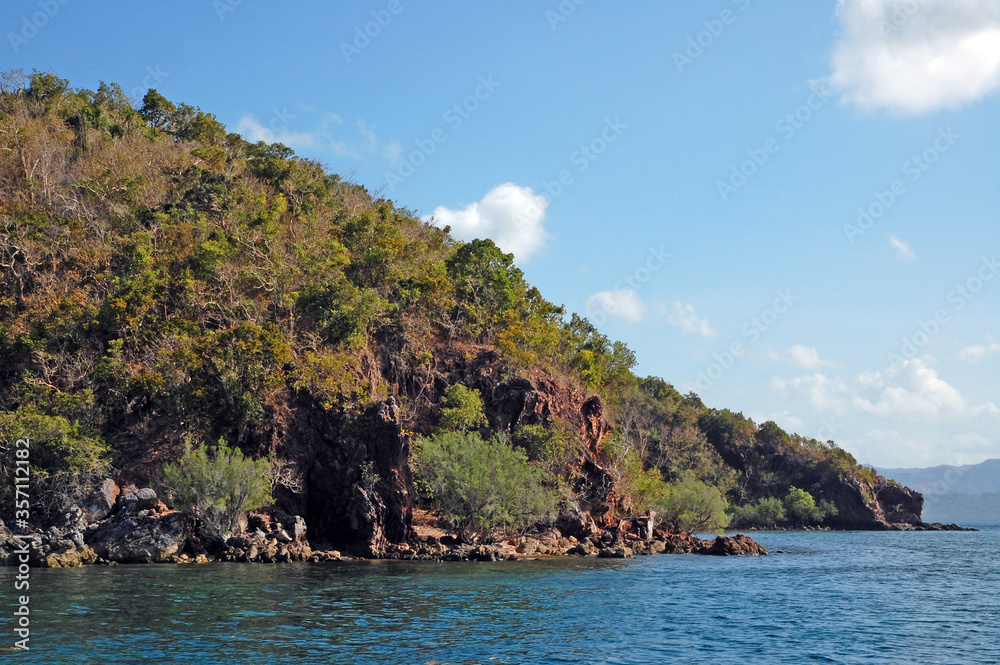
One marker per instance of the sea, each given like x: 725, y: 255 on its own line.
x: 820, y: 597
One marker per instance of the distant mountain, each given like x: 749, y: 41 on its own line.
x: 961, y: 494
x: 970, y: 479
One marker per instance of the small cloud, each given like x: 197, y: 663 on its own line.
x: 623, y: 304
x: 685, y: 318
x: 822, y: 392
x: 917, y: 57
x: 784, y: 420
x: 327, y: 135
x: 979, y: 352
x: 802, y: 356
x: 254, y: 131
x: 510, y: 215
x: 904, y: 250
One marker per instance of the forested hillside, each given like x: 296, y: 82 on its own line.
x: 165, y: 283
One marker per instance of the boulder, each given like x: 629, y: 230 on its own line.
x: 101, y: 502
x: 151, y: 539
x: 617, y: 552
x: 738, y: 545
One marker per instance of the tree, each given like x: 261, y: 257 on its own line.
x: 691, y: 505
x: 463, y: 409
x: 220, y: 487
x: 801, y: 507
x: 486, y: 488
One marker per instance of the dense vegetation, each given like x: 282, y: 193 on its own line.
x: 161, y: 278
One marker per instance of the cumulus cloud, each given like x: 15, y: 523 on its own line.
x: 684, y: 317
x: 623, y: 304
x: 823, y: 392
x: 979, y: 352
x: 802, y: 356
x: 913, y: 392
x: 510, y: 215
x: 904, y: 250
x: 917, y: 56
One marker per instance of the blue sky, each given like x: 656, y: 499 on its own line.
x: 690, y: 175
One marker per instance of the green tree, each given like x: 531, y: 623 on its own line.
x: 486, y: 488
x: 691, y: 505
x: 463, y: 409
x: 765, y: 513
x: 801, y: 507
x: 219, y: 487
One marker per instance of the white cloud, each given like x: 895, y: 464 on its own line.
x: 913, y: 392
x: 685, y: 318
x: 254, y: 131
x: 785, y: 420
x: 509, y: 215
x: 917, y: 56
x: 623, y: 304
x: 327, y: 134
x: 904, y: 250
x: 823, y: 392
x: 979, y: 352
x: 802, y: 356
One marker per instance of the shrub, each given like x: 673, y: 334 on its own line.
x: 691, y: 505
x: 765, y: 513
x: 463, y: 409
x: 219, y: 488
x: 486, y: 488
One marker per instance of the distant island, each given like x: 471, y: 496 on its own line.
x: 969, y: 493
x: 216, y: 349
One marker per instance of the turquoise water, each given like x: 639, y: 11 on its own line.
x: 828, y: 597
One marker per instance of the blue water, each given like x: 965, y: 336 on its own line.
x: 828, y: 597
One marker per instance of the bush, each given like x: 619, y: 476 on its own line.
x: 765, y: 513
x: 691, y: 505
x: 463, y: 409
x: 486, y: 488
x: 219, y: 488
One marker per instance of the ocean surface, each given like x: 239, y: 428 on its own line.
x: 822, y: 597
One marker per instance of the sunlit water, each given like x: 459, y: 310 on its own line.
x: 827, y: 597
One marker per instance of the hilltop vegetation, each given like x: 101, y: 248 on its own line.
x: 165, y: 280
